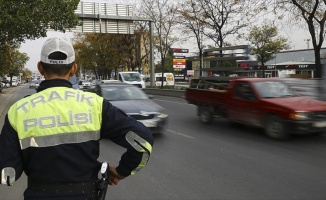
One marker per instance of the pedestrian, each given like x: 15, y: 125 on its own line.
x: 53, y: 135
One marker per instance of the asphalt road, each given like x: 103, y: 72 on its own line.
x: 193, y: 161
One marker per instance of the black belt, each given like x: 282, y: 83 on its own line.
x: 70, y: 188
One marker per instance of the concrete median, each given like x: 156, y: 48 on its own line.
x: 164, y: 92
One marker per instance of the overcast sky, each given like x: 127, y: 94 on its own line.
x: 296, y: 37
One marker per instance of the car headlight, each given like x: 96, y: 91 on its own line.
x: 162, y: 115
x: 299, y: 115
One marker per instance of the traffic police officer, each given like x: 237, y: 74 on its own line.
x: 54, y: 134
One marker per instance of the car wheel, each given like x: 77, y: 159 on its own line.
x: 205, y: 115
x: 275, y: 128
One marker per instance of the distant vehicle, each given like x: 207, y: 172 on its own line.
x: 168, y: 79
x: 133, y: 78
x: 84, y: 84
x: 4, y: 85
x: 264, y: 102
x: 135, y: 103
x: 34, y: 84
x: 14, y: 83
x: 110, y: 81
x: 96, y: 82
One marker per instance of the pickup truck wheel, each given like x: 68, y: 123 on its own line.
x: 319, y: 133
x: 275, y: 129
x: 205, y: 115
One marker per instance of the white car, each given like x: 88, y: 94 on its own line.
x: 84, y: 84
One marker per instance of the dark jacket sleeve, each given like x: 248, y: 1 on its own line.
x: 11, y: 162
x: 130, y: 134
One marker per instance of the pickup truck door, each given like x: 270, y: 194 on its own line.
x: 244, y: 104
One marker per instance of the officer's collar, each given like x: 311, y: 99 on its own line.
x: 54, y: 83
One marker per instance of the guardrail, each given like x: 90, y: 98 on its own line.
x: 164, y: 92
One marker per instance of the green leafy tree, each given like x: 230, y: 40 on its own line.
x: 266, y: 42
x: 4, y: 59
x: 16, y: 63
x: 103, y: 53
x: 168, y: 65
x: 30, y: 19
x: 27, y: 74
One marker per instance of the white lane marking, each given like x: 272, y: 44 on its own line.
x: 181, y: 134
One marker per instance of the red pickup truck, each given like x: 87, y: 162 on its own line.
x: 264, y: 102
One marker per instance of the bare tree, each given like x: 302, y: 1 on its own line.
x: 142, y: 43
x: 224, y: 18
x: 192, y: 23
x: 313, y: 13
x: 163, y: 13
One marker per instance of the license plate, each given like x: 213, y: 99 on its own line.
x: 319, y: 124
x: 149, y: 123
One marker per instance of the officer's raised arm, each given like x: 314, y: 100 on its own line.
x: 129, y: 133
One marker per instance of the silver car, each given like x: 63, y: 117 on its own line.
x: 135, y: 103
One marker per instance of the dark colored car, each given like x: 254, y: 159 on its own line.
x: 134, y: 102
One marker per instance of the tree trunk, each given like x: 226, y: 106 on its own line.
x: 319, y: 71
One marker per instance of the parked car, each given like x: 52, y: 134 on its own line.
x: 14, y: 83
x: 135, y: 103
x: 5, y: 85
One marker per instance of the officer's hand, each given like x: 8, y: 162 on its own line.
x: 114, y: 177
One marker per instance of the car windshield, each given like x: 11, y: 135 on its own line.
x: 273, y: 89
x: 131, y: 77
x: 117, y: 93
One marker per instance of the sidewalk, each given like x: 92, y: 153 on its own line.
x: 5, y: 98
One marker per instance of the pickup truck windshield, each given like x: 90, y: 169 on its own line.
x: 273, y: 89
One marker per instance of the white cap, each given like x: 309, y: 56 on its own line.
x: 57, y: 44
